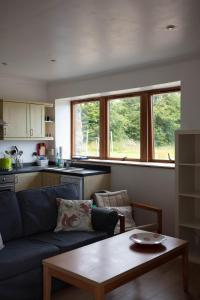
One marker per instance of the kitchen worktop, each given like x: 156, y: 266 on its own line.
x: 80, y: 171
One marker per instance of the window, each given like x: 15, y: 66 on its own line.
x: 166, y: 119
x: 124, y: 127
x: 86, y: 129
x: 127, y: 127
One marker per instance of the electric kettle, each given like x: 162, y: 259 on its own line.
x: 6, y: 164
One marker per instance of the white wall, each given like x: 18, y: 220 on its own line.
x: 14, y: 88
x: 148, y: 185
x: 187, y: 72
x: 62, y: 130
x: 152, y: 185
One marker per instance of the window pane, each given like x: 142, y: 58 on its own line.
x: 86, y: 128
x: 166, y: 119
x: 124, y: 127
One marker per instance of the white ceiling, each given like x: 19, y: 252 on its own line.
x: 89, y: 37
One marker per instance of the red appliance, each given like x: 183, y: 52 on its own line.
x: 41, y: 149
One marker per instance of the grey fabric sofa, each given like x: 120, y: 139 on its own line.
x: 27, y: 221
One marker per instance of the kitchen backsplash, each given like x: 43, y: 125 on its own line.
x: 28, y: 147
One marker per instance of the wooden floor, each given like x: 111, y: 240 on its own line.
x: 164, y: 283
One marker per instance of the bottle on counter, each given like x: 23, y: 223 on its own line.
x: 57, y: 159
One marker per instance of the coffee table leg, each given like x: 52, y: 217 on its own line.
x: 46, y: 283
x: 185, y: 267
x: 99, y: 293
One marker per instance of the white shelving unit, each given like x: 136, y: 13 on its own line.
x: 188, y: 189
x: 50, y: 130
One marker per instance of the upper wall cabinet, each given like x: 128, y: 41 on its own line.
x: 24, y: 120
x: 36, y: 120
x: 15, y: 115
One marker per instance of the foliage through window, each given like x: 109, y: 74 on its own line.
x: 86, y: 128
x: 124, y: 127
x: 134, y: 127
x: 166, y: 119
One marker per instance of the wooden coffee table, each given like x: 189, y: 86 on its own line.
x: 103, y: 266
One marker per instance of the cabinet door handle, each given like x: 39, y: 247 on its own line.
x: 31, y: 132
x: 4, y: 133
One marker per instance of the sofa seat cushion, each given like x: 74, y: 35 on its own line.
x: 22, y: 255
x: 69, y: 240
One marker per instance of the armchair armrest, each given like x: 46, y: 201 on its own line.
x: 121, y: 222
x: 104, y: 219
x: 155, y: 209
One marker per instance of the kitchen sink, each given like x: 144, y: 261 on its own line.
x: 70, y: 169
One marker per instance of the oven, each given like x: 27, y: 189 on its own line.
x: 7, y: 183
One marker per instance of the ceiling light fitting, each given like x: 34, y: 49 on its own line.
x: 170, y: 27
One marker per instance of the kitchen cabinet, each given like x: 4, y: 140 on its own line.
x: 95, y: 183
x: 24, y: 181
x: 35, y: 120
x: 15, y: 115
x: 49, y: 179
x: 188, y: 190
x: 25, y: 120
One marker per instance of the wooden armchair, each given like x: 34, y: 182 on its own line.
x: 118, y: 200
x: 156, y: 210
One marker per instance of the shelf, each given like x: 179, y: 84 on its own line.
x: 50, y: 121
x: 190, y: 194
x: 189, y: 164
x: 194, y: 258
x: 195, y: 224
x: 188, y: 132
x: 49, y: 138
x: 188, y: 189
x: 46, y: 138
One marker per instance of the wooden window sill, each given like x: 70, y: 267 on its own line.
x: 131, y: 163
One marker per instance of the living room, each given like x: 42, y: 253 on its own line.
x: 25, y: 79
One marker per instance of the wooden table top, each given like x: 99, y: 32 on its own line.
x: 102, y: 261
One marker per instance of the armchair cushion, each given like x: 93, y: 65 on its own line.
x: 119, y: 198
x: 126, y: 211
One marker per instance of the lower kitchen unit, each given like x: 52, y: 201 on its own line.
x: 86, y: 179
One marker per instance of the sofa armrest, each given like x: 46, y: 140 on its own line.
x: 104, y: 219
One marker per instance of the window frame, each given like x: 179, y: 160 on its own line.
x: 72, y: 104
x: 146, y: 124
x: 117, y: 97
x: 150, y: 115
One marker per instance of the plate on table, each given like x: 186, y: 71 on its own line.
x: 147, y: 238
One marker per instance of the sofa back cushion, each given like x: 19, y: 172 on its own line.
x: 10, y: 216
x: 39, y: 207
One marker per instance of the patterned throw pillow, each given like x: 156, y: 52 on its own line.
x: 1, y: 242
x: 129, y: 221
x: 74, y: 215
x: 119, y: 198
